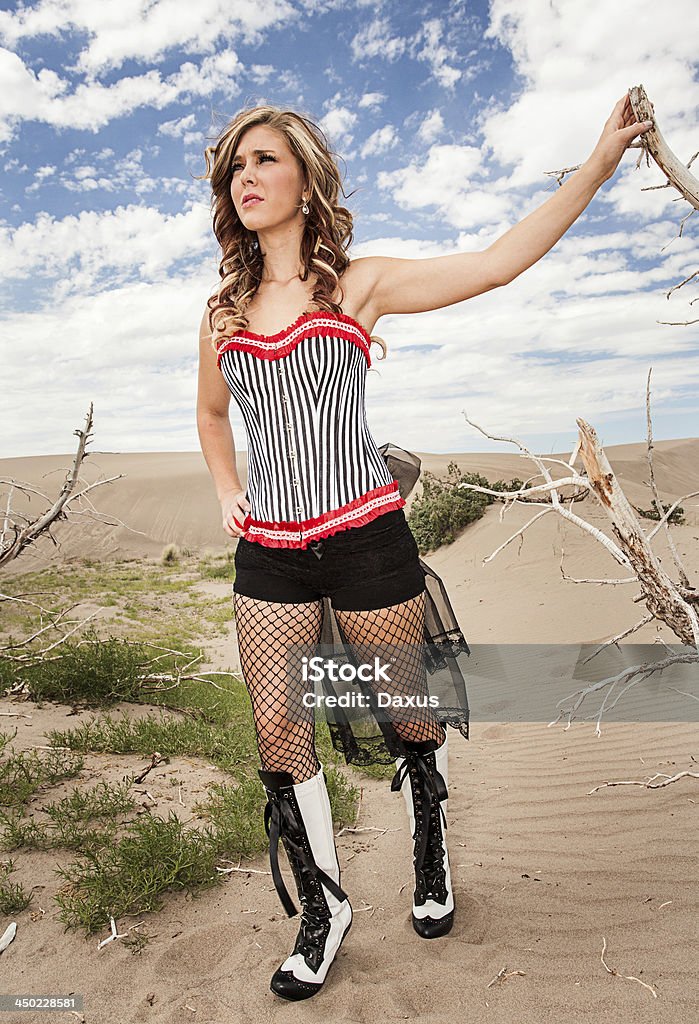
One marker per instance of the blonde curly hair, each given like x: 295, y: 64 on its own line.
x: 328, y: 226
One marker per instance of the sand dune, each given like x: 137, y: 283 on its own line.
x: 518, y: 597
x: 543, y: 870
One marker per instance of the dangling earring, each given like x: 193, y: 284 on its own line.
x: 305, y: 208
x: 254, y: 246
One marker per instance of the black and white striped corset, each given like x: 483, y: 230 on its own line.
x: 313, y: 465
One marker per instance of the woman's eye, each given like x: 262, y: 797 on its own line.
x: 264, y: 156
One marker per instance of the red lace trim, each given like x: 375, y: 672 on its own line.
x: 274, y: 346
x: 294, y: 534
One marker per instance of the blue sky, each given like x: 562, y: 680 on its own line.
x: 447, y: 116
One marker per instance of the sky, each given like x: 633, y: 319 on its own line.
x: 447, y: 116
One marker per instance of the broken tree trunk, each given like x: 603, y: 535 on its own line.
x: 663, y: 598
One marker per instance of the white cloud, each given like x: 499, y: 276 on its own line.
x: 572, y: 336
x: 380, y: 141
x: 574, y: 70
x: 500, y: 356
x: 371, y: 100
x: 96, y: 251
x: 144, y: 30
x: 436, y: 54
x: 131, y: 350
x: 13, y: 164
x: 376, y: 40
x: 116, y: 175
x: 432, y: 127
x: 44, y: 96
x: 261, y: 72
x: 40, y: 176
x: 337, y: 123
x: 405, y: 248
x: 445, y: 178
x: 177, y: 127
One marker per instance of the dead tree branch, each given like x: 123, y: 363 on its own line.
x: 149, y: 680
x: 678, y: 174
x: 675, y: 604
x: 684, y: 579
x: 18, y: 532
x: 650, y: 783
x: 652, y: 143
x: 23, y: 536
x: 627, y: 678
x: 668, y: 601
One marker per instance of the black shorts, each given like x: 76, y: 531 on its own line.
x: 359, y: 569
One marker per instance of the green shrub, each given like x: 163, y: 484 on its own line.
x: 677, y: 515
x: 13, y: 896
x: 171, y: 555
x: 445, y: 508
x: 93, y: 670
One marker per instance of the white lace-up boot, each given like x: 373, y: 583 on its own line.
x: 299, y: 814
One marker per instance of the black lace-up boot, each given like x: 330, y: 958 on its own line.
x: 299, y: 814
x: 425, y: 767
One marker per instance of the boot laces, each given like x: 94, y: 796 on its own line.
x: 427, y: 797
x: 433, y: 871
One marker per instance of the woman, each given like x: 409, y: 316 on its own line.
x: 288, y: 333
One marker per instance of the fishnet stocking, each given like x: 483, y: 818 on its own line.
x: 285, y: 729
x: 397, y: 631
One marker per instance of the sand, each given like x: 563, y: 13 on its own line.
x: 544, y: 871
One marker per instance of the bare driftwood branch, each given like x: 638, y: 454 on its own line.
x: 677, y: 174
x: 628, y: 677
x: 22, y: 536
x: 684, y: 579
x: 18, y: 532
x: 670, y: 602
x: 556, y: 505
x: 149, y: 681
x: 627, y: 977
x: 650, y: 783
x: 667, y: 600
x: 675, y: 604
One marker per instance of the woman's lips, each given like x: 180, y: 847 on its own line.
x: 252, y: 202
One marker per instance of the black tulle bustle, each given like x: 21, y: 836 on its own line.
x: 370, y: 739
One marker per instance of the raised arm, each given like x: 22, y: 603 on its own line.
x: 415, y: 286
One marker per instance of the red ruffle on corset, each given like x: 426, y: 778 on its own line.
x: 308, y: 325
x: 329, y: 522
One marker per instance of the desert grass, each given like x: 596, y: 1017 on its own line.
x: 117, y: 856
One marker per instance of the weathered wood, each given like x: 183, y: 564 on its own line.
x: 661, y: 595
x: 678, y: 173
x: 22, y: 536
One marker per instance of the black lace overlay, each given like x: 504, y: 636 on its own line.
x: 366, y: 739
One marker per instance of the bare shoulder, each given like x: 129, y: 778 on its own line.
x: 205, y: 325
x: 362, y: 272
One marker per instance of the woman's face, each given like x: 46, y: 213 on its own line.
x: 273, y: 173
